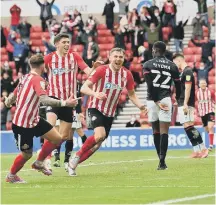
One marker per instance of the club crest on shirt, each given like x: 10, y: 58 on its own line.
x: 43, y: 85
x: 188, y: 77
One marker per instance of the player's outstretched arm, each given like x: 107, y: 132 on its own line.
x: 48, y: 101
x: 136, y: 101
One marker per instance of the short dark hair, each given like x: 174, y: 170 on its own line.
x: 59, y: 36
x: 177, y: 55
x: 36, y: 60
x: 159, y: 47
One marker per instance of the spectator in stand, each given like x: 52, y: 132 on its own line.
x: 3, y: 37
x: 108, y: 12
x: 146, y: 16
x: 91, y: 51
x: 202, y: 9
x: 46, y: 12
x: 168, y: 12
x: 4, y: 111
x: 133, y: 122
x: 197, y: 24
x: 6, y: 83
x: 203, y: 70
x: 15, y: 16
x: 178, y: 34
x: 137, y: 39
x: 24, y: 30
x: 153, y: 8
x: 211, y: 9
x: 19, y: 53
x: 152, y: 33
x: 145, y: 53
x: 67, y: 25
x: 123, y: 7
x: 16, y: 82
x: 168, y: 54
x: 50, y: 48
x: 82, y: 38
x: 157, y: 18
x: 206, y: 48
x: 90, y: 26
x: 6, y: 68
x: 119, y: 38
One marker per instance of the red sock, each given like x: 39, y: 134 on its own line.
x: 18, y: 164
x: 46, y: 150
x: 86, y: 155
x: 211, y: 139
x: 89, y: 143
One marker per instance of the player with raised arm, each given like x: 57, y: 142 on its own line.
x: 62, y: 69
x: 28, y: 95
x: 206, y: 107
x: 159, y: 74
x: 108, y: 81
x: 186, y: 107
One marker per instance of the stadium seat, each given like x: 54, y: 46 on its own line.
x: 106, y: 46
x: 165, y: 37
x: 37, y: 43
x: 190, y: 44
x: 42, y: 49
x: 4, y: 58
x: 110, y: 39
x: 101, y: 27
x: 188, y: 51
x: 190, y: 64
x: 101, y: 40
x: 77, y: 48
x: 211, y: 87
x: 104, y: 33
x: 12, y: 64
x: 189, y: 58
x: 211, y: 79
x: 212, y: 72
x: 36, y: 36
x: 205, y: 29
x: 197, y: 50
x: 36, y: 29
x: 3, y: 51
x: 46, y: 35
x: 103, y: 54
x: 197, y: 58
x: 197, y: 64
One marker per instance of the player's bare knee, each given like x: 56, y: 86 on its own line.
x: 100, y: 136
x: 27, y: 154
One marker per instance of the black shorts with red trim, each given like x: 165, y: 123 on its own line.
x: 210, y: 117
x: 24, y: 136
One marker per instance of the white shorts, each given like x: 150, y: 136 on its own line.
x: 182, y: 118
x: 76, y: 122
x: 155, y: 113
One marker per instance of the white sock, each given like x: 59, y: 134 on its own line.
x: 202, y: 146
x: 196, y: 148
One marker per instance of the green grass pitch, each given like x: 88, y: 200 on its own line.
x: 126, y: 177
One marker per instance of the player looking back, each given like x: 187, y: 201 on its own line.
x: 186, y: 107
x: 159, y: 74
x: 28, y: 95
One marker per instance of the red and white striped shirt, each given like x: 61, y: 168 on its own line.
x: 205, y: 101
x: 62, y: 73
x: 112, y: 83
x: 28, y: 92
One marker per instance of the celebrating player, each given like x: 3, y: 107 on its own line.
x: 159, y: 73
x: 62, y: 68
x: 28, y: 95
x: 186, y: 108
x: 109, y: 81
x: 206, y: 106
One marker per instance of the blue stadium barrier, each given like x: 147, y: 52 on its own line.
x: 119, y: 139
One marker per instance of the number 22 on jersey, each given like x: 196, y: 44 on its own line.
x: 163, y: 76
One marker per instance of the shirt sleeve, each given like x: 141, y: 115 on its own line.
x: 130, y: 81
x: 97, y: 74
x: 39, y: 85
x: 145, y: 69
x: 176, y: 74
x: 81, y: 63
x: 47, y: 59
x: 188, y: 77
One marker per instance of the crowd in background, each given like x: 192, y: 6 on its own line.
x: 135, y: 27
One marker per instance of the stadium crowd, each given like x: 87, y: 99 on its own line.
x: 134, y: 31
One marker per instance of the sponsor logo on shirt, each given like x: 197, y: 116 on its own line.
x: 60, y: 71
x: 112, y: 86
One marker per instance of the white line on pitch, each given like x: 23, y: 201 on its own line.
x: 184, y: 199
x: 119, y: 162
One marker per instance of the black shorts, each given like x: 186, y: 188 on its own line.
x: 24, y: 136
x: 210, y: 117
x: 62, y: 113
x: 97, y: 119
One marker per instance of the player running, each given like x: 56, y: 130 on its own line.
x: 62, y: 69
x: 159, y: 74
x: 186, y: 107
x: 206, y: 104
x: 108, y: 81
x: 28, y: 95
